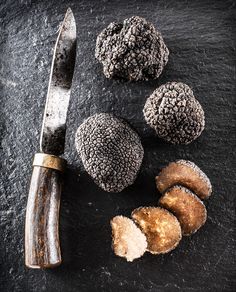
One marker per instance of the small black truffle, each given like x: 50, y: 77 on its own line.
x: 174, y: 113
x: 110, y: 150
x: 134, y: 50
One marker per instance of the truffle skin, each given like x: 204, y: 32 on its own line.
x: 187, y: 207
x: 110, y: 150
x: 174, y: 113
x: 128, y: 240
x: 162, y: 229
x: 134, y: 50
x: 187, y: 174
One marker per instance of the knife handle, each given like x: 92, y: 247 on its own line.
x: 42, y: 247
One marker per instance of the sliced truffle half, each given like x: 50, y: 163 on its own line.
x: 187, y: 207
x: 162, y: 229
x: 128, y: 241
x: 187, y: 174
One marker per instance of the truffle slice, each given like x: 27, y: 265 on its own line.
x: 187, y: 207
x: 187, y: 174
x: 128, y: 240
x: 132, y: 50
x: 162, y: 229
x: 110, y: 150
x: 174, y: 113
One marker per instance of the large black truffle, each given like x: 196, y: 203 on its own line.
x: 134, y: 50
x: 174, y: 113
x: 110, y: 150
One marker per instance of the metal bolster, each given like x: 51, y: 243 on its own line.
x: 49, y: 161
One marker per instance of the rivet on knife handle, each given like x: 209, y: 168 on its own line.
x: 42, y: 247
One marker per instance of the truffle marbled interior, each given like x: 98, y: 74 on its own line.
x: 161, y: 228
x: 128, y: 240
x: 187, y: 207
x: 187, y: 174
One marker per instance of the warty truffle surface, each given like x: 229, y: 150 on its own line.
x: 110, y: 150
x: 132, y: 50
x: 174, y: 113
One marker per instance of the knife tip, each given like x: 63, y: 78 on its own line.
x: 69, y: 11
x: 69, y: 15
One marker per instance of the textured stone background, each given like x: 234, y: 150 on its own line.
x: 201, y: 39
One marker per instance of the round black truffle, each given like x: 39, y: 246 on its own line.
x: 110, y: 150
x: 174, y: 113
x: 134, y: 50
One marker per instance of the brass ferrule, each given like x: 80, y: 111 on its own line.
x: 49, y: 161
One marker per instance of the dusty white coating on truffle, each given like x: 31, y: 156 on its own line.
x: 199, y: 172
x: 174, y: 113
x: 128, y: 240
x: 133, y: 50
x: 110, y: 150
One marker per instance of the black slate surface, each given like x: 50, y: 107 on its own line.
x: 201, y: 39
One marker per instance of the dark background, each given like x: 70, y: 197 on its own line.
x: 201, y: 39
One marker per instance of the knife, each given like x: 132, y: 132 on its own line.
x: 42, y: 247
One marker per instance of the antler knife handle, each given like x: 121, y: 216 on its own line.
x: 42, y: 247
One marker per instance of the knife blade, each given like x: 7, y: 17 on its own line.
x: 52, y: 140
x: 42, y: 247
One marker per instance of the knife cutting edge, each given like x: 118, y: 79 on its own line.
x: 42, y: 247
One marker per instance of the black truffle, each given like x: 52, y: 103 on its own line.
x: 134, y: 50
x: 174, y: 113
x: 110, y: 150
